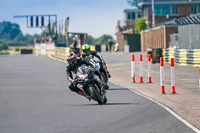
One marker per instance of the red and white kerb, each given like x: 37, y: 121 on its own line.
x: 162, y: 82
x: 141, y: 69
x: 149, y: 68
x: 133, y: 68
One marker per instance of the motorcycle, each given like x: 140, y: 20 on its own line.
x: 89, y: 83
x: 101, y: 67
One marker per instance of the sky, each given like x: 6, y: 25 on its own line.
x: 95, y: 17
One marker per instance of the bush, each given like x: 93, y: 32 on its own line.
x: 3, y: 45
x: 17, y: 43
x: 140, y: 25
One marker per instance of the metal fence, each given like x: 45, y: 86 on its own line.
x: 189, y: 36
x: 173, y: 40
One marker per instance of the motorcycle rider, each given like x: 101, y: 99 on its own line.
x: 87, y: 53
x: 72, y: 66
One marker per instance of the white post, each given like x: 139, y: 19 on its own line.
x: 172, y: 76
x: 141, y: 69
x: 133, y: 68
x: 199, y: 79
x: 162, y: 82
x: 149, y: 68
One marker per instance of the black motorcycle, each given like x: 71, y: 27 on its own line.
x: 101, y: 67
x: 90, y: 84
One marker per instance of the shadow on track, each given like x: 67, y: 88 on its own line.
x: 118, y: 89
x: 105, y: 104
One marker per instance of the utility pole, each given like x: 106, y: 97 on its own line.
x: 153, y: 14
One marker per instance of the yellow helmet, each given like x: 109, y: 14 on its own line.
x: 86, y: 49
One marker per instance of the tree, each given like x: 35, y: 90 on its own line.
x: 140, y: 25
x: 9, y: 31
x: 103, y: 39
x: 134, y: 2
x: 90, y: 40
x: 3, y: 45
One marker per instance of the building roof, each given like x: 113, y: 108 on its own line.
x: 169, y: 22
x: 148, y: 2
x: 193, y: 19
x: 132, y: 10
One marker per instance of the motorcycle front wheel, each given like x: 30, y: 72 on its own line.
x: 93, y: 89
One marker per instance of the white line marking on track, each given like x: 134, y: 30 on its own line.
x: 166, y: 108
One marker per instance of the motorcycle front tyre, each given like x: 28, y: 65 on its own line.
x: 96, y: 95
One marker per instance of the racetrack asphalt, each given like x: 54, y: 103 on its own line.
x: 34, y: 98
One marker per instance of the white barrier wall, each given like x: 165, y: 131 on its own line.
x: 45, y: 48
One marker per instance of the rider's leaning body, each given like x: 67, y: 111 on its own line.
x: 87, y: 53
x: 73, y: 64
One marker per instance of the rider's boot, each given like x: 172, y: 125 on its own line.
x: 109, y: 76
x: 104, y: 84
x: 80, y: 92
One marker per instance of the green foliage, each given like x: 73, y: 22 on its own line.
x: 102, y: 40
x: 11, y: 33
x: 90, y: 40
x: 17, y: 43
x: 3, y: 45
x: 17, y: 49
x: 140, y: 25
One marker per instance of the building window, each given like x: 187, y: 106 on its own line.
x: 145, y: 12
x: 194, y: 8
x: 139, y: 15
x: 161, y: 10
x: 174, y: 10
x: 131, y: 16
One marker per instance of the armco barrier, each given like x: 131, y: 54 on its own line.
x: 168, y: 53
x: 183, y: 57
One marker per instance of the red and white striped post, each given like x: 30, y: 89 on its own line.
x: 133, y: 68
x: 162, y: 82
x: 141, y: 69
x: 199, y: 79
x: 172, y: 76
x: 149, y: 68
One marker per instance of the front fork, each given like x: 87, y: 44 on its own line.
x: 105, y: 70
x: 100, y: 84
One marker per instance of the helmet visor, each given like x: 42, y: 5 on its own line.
x: 72, y: 61
x: 86, y: 51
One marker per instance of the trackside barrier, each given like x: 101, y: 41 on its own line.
x: 149, y: 68
x: 61, y: 52
x: 162, y: 75
x: 141, y: 69
x: 183, y: 57
x: 172, y: 76
x: 133, y: 68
